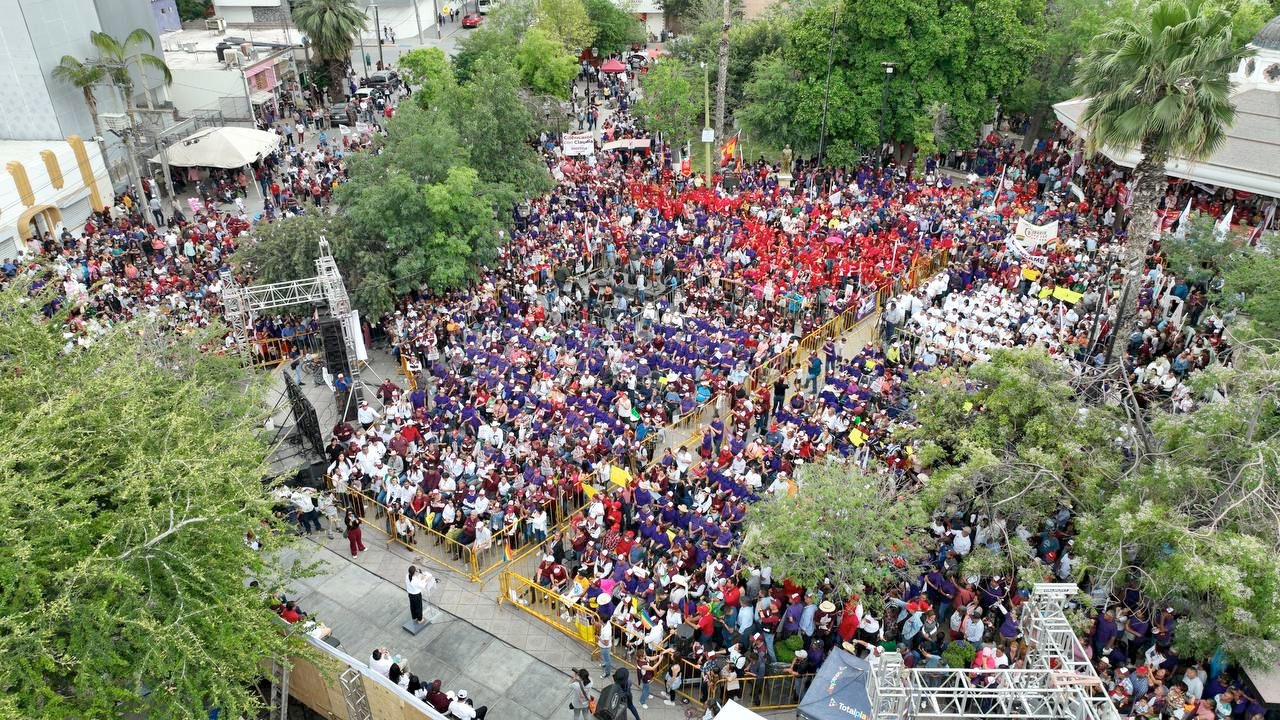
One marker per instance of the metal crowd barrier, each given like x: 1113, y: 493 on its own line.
x: 475, y: 563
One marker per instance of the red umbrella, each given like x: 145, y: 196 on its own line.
x: 613, y: 66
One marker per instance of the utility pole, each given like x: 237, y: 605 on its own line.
x: 722, y: 70
x: 884, y: 106
x: 364, y: 57
x: 377, y: 30
x: 417, y: 19
x: 826, y: 95
x: 706, y: 118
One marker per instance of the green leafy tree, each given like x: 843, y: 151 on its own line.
x: 434, y: 233
x: 190, y: 10
x: 840, y: 525
x: 616, y: 29
x: 131, y: 471
x: 955, y: 57
x: 544, y: 65
x: 1249, y: 283
x: 487, y: 47
x: 1067, y: 27
x: 496, y: 125
x: 428, y: 71
x: 671, y: 103
x: 1195, y: 522
x: 1158, y: 84
x: 567, y: 21
x: 83, y: 76
x: 332, y: 27
x: 1011, y: 437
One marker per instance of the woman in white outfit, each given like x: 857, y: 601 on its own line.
x: 416, y: 583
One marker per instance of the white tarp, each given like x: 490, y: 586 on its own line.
x: 222, y: 147
x: 629, y: 143
x: 734, y: 711
x: 582, y: 143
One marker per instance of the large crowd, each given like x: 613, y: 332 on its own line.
x: 630, y: 297
x: 624, y: 303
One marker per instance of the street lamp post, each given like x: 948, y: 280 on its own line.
x: 884, y: 106
x: 826, y: 95
x: 706, y: 117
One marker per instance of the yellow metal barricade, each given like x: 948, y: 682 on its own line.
x: 431, y: 544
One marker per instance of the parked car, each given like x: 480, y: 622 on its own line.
x: 339, y: 114
x: 472, y: 21
x: 381, y: 77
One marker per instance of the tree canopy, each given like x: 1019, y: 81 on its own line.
x: 1190, y: 513
x: 840, y: 525
x: 131, y: 471
x: 616, y: 29
x: 671, y: 104
x: 952, y: 58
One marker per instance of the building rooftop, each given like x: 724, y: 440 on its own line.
x: 198, y: 49
x: 1268, y: 38
x: 1248, y: 159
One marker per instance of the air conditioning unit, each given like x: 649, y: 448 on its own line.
x: 188, y: 47
x: 233, y: 58
x: 114, y: 121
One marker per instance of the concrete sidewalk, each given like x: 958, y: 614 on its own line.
x: 365, y: 607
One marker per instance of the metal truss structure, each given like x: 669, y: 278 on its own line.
x: 1058, y: 682
x: 241, y: 305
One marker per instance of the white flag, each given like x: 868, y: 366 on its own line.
x: 1183, y: 219
x: 1223, y: 226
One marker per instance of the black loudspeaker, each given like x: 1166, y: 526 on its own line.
x: 308, y: 425
x: 335, y: 350
x: 311, y: 476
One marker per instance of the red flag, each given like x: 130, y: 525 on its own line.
x: 729, y: 150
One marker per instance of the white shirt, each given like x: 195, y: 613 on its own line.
x: 419, y: 583
x: 381, y: 666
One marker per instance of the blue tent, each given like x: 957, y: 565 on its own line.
x: 839, y: 690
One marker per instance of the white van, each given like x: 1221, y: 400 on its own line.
x: 484, y: 6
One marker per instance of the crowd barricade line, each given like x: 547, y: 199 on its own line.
x: 775, y: 691
x: 574, y: 619
x: 778, y: 691
x: 426, y: 542
x: 494, y: 557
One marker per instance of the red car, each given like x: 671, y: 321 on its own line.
x: 472, y: 21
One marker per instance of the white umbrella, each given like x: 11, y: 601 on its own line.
x: 222, y: 147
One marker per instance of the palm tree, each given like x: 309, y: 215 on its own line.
x: 83, y: 76
x: 1158, y: 84
x: 118, y: 57
x: 331, y: 27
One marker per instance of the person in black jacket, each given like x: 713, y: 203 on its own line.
x: 622, y: 678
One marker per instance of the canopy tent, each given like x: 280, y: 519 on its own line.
x: 613, y: 66
x: 734, y: 711
x: 839, y: 691
x: 221, y: 147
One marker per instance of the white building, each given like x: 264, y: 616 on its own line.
x: 406, y: 18
x: 230, y: 73
x: 47, y: 184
